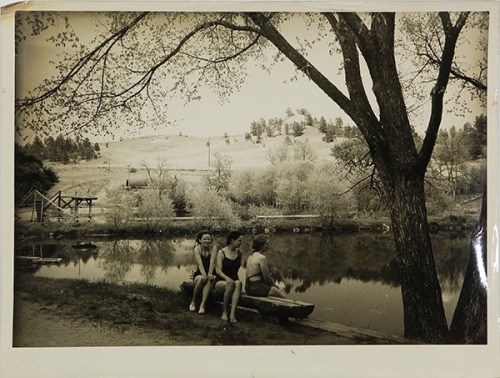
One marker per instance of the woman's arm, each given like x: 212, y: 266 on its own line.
x: 265, y: 271
x: 197, y: 256
x: 211, y: 267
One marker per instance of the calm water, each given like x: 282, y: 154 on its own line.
x: 351, y: 278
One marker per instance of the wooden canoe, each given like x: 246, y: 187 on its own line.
x: 28, y: 258
x: 84, y: 245
x: 50, y: 260
x: 40, y: 260
x: 283, y: 308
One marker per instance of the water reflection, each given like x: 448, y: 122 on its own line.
x: 325, y: 258
x: 352, y: 278
x: 118, y: 258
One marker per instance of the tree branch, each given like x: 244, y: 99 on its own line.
x: 276, y: 38
x: 24, y: 103
x: 451, y: 36
x: 353, y: 77
x: 456, y: 73
x: 101, y: 52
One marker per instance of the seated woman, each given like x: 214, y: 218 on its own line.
x: 259, y: 282
x: 203, y: 277
x: 227, y: 265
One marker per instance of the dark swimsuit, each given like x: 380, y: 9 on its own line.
x: 230, y: 267
x: 205, y: 260
x: 257, y: 288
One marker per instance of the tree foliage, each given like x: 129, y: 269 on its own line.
x: 169, y: 185
x: 31, y: 173
x: 63, y: 149
x: 449, y: 158
x: 329, y: 197
x: 155, y: 209
x: 477, y: 137
x: 120, y: 213
x: 212, y: 210
x: 219, y: 179
x: 424, y: 40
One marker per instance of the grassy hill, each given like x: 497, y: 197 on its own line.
x: 187, y: 152
x: 184, y: 156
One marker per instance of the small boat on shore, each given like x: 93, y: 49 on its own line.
x: 49, y: 260
x: 28, y: 258
x: 84, y: 245
x: 39, y: 260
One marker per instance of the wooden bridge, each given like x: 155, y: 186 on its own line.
x: 58, y: 203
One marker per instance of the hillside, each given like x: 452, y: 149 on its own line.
x: 186, y: 156
x: 187, y: 152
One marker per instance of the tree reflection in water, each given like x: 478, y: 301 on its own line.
x: 344, y: 274
x: 118, y: 258
x: 154, y: 253
x: 330, y: 257
x: 452, y: 259
x: 299, y: 260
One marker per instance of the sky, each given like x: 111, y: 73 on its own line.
x: 264, y: 95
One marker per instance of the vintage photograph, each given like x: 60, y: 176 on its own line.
x: 255, y: 177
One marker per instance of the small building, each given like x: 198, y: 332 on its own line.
x: 137, y: 184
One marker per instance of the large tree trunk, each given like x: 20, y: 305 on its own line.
x: 389, y: 136
x: 424, y: 316
x: 469, y: 324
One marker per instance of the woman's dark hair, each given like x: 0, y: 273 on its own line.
x: 233, y: 235
x: 258, y: 242
x: 200, y: 234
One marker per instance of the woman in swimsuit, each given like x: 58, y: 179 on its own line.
x: 227, y: 265
x: 259, y: 282
x: 205, y: 253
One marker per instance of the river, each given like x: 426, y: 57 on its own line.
x: 352, y: 278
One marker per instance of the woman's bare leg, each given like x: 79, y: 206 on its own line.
x: 206, y: 292
x: 198, y: 283
x: 274, y: 292
x: 228, y: 289
x: 234, y: 301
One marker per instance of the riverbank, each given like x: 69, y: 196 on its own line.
x: 67, y: 228
x: 70, y: 313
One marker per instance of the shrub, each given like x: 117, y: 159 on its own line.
x: 291, y: 185
x: 212, y: 211
x: 121, y: 208
x: 329, y: 197
x: 155, y: 211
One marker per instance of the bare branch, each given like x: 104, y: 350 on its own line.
x: 451, y: 36
x: 98, y: 58
x: 23, y: 103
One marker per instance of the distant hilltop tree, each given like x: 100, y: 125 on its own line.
x: 293, y: 125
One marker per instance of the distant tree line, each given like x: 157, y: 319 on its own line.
x: 63, y: 149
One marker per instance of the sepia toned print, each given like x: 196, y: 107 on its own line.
x: 344, y: 154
